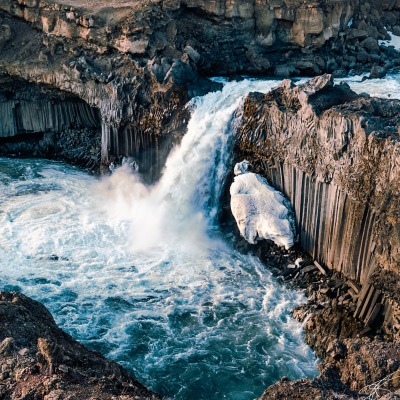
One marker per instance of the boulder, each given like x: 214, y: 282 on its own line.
x: 371, y: 45
x: 377, y: 72
x: 286, y: 70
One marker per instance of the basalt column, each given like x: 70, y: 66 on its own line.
x: 336, y: 156
x: 37, y: 120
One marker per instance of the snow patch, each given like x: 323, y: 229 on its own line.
x: 394, y: 41
x: 260, y: 211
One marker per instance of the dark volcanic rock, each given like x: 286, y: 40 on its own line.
x: 377, y: 72
x: 356, y: 361
x: 40, y: 361
x: 335, y: 155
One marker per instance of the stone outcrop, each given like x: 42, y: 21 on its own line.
x: 40, y: 361
x: 132, y: 114
x: 357, y: 361
x: 335, y: 155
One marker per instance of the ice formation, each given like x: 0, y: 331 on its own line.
x: 260, y: 211
x: 394, y: 41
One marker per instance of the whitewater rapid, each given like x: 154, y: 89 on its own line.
x: 142, y: 274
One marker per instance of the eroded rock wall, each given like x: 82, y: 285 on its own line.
x: 336, y: 156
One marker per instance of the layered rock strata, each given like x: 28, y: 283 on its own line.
x: 335, y: 155
x: 139, y: 62
x: 225, y: 36
x: 39, y: 361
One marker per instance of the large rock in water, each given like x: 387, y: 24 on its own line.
x: 40, y: 361
x: 260, y: 211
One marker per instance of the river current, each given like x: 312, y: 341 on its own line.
x: 142, y: 274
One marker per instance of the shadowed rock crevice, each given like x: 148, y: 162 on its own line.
x: 37, y: 120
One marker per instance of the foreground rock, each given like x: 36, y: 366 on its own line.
x: 40, y: 361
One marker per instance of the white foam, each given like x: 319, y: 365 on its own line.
x: 394, y: 41
x: 387, y: 87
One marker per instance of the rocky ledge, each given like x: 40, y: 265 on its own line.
x: 40, y: 361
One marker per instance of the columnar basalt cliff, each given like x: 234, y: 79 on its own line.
x: 336, y: 156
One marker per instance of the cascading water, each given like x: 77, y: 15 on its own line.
x: 141, y: 274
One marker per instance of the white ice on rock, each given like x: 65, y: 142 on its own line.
x: 394, y: 41
x: 260, y: 210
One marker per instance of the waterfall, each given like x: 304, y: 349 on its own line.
x: 182, y: 206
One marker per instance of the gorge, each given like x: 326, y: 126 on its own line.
x: 149, y: 268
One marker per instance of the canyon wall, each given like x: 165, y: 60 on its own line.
x: 139, y: 62
x: 335, y: 155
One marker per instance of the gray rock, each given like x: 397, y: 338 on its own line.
x: 193, y: 55
x: 377, y: 72
x: 5, y: 35
x: 371, y: 45
x: 286, y: 70
x: 362, y: 57
x: 181, y: 73
x: 396, y: 30
x: 357, y: 34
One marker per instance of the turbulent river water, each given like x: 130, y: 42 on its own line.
x: 142, y: 274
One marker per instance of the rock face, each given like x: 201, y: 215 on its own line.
x: 335, y: 155
x: 357, y: 361
x: 39, y: 361
x: 108, y: 93
x: 137, y: 63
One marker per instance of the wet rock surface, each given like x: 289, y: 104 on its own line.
x: 39, y: 361
x: 357, y: 361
